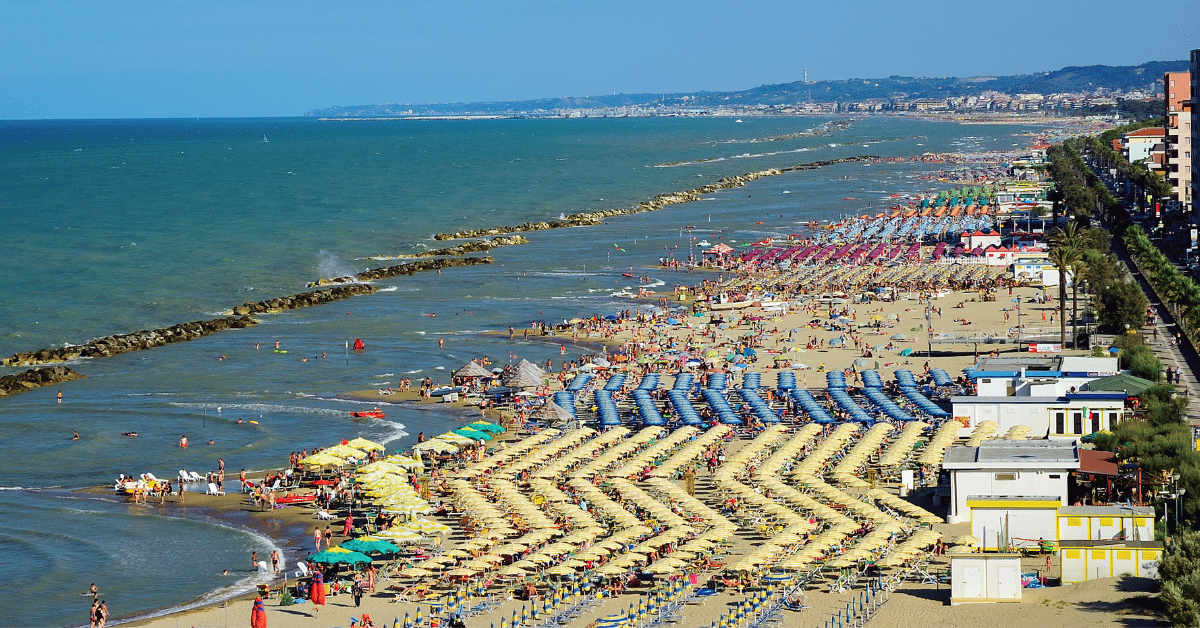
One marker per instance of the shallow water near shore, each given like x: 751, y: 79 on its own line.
x: 125, y: 225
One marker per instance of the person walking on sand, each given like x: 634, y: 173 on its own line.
x: 317, y: 538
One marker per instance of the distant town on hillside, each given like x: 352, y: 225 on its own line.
x: 1094, y: 89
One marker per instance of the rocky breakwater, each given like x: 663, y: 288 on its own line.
x: 36, y: 378
x: 150, y: 338
x: 475, y: 246
x: 125, y: 343
x: 407, y: 268
x: 304, y: 299
x: 654, y: 204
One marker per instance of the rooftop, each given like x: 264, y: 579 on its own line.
x: 1097, y: 463
x: 1009, y: 454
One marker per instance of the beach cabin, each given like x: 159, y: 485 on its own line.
x: 999, y: 475
x: 1091, y: 560
x: 1105, y: 523
x: 980, y: 239
x: 1005, y: 522
x: 1000, y: 256
x: 984, y: 578
x: 1068, y: 416
x: 1030, y: 266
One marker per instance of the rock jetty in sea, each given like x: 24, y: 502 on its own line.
x: 407, y: 268
x: 654, y: 204
x: 125, y: 343
x: 36, y: 378
x: 150, y: 338
x: 475, y: 246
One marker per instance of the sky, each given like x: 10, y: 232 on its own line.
x: 216, y: 58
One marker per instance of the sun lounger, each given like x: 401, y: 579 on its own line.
x: 212, y: 489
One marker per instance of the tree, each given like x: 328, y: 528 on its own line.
x: 1179, y: 570
x: 1141, y: 361
x: 1122, y: 306
x: 1078, y: 268
x: 1063, y: 258
x: 1157, y: 187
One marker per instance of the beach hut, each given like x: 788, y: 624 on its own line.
x: 472, y: 369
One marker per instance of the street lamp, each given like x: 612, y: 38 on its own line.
x: 1176, y: 495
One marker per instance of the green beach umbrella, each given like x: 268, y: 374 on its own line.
x: 484, y: 426
x: 340, y: 556
x: 370, y: 546
x: 472, y: 434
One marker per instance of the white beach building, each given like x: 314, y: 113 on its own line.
x: 1025, y: 479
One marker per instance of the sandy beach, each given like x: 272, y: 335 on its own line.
x: 1109, y: 602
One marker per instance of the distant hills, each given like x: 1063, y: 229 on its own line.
x: 1091, y: 79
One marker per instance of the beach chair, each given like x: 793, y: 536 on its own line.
x: 195, y: 477
x: 301, y: 569
x: 212, y: 489
x: 322, y: 514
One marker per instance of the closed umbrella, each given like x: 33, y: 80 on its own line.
x: 258, y: 614
x: 317, y: 595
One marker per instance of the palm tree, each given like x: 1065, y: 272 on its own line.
x: 1077, y: 271
x: 1068, y: 235
x: 1063, y: 258
x: 1157, y: 187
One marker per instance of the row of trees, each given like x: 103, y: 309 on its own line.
x: 1083, y: 252
x: 1180, y: 291
x: 1159, y: 441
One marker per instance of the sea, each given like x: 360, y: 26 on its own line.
x: 114, y: 226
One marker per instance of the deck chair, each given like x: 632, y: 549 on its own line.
x: 195, y: 477
x: 212, y: 489
x: 301, y: 569
x: 322, y: 514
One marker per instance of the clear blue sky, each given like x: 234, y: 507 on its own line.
x: 172, y: 58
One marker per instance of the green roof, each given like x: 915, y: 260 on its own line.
x: 1127, y: 383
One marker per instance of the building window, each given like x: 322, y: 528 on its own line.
x: 1077, y: 422
x: 1095, y: 416
x: 1060, y: 425
x: 1005, y: 477
x: 1055, y: 476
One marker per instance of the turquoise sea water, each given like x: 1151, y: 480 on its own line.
x: 116, y: 226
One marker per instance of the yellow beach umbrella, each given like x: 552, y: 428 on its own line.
x: 365, y: 445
